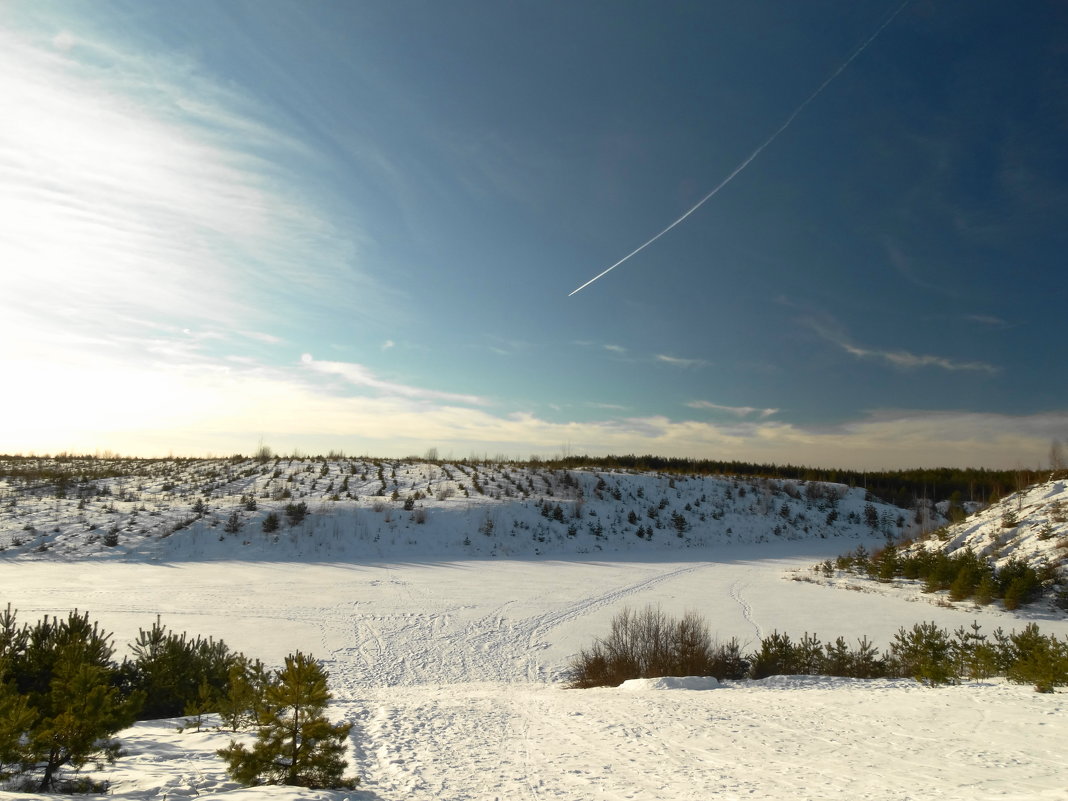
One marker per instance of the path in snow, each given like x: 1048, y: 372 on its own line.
x: 470, y: 643
x: 747, y: 610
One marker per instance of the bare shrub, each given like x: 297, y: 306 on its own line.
x: 650, y: 644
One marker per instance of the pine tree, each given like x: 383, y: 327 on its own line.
x: 979, y: 658
x: 837, y: 661
x: 1038, y: 659
x: 206, y: 699
x: 296, y: 512
x: 62, y: 669
x: 171, y: 667
x: 923, y: 654
x: 865, y: 661
x: 233, y: 523
x: 241, y: 702
x: 16, y: 718
x: 83, y: 711
x: 871, y: 516
x: 986, y: 589
x: 678, y: 520
x: 296, y: 744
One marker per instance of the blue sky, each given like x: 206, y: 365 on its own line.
x: 355, y: 226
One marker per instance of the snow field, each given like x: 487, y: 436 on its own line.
x: 450, y: 671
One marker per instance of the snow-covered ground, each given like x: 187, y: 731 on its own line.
x: 450, y: 671
x: 448, y: 655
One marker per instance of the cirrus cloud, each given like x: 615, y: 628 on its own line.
x: 676, y: 361
x: 739, y: 411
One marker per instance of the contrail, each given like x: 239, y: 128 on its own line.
x: 759, y: 150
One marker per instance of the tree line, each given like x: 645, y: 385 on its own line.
x: 900, y: 487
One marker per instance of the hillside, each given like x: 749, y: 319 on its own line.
x: 1011, y: 554
x: 352, y: 509
x: 1031, y: 526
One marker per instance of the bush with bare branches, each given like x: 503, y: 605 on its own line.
x: 650, y: 644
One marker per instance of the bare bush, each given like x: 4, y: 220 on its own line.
x: 649, y: 644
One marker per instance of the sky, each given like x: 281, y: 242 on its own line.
x: 356, y: 226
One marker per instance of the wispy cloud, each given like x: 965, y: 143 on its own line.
x: 897, y: 358
x: 507, y: 346
x: 739, y: 411
x: 202, y: 407
x: 907, y: 269
x: 676, y: 361
x: 907, y: 360
x: 987, y: 319
x: 261, y: 336
x: 198, y: 412
x: 133, y: 185
x: 611, y: 347
x: 358, y: 375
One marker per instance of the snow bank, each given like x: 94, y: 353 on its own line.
x: 671, y: 683
x: 281, y: 793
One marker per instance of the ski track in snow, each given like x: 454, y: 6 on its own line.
x: 747, y: 609
x: 392, y: 649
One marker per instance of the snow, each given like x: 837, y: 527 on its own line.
x: 449, y: 659
x: 671, y: 683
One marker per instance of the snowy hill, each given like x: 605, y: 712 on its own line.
x: 1030, y: 526
x: 351, y: 509
x: 1021, y: 540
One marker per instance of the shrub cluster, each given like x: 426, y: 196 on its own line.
x: 778, y: 655
x: 182, y: 675
x: 648, y: 644
x: 964, y: 573
x: 59, y: 700
x: 645, y: 644
x: 63, y: 698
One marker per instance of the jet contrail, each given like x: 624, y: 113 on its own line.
x: 758, y: 151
